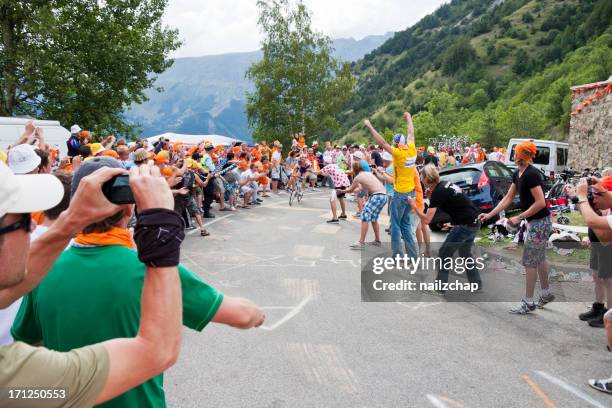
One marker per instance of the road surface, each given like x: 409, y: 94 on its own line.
x: 322, y: 347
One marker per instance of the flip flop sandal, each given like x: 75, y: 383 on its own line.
x: 204, y: 233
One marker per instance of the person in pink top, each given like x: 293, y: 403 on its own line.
x: 339, y: 184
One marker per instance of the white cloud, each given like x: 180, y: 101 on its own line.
x: 221, y: 26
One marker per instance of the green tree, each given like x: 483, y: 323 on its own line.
x: 458, y: 56
x: 522, y: 121
x: 299, y: 86
x: 521, y: 62
x: 425, y: 127
x: 81, y: 61
x: 479, y: 99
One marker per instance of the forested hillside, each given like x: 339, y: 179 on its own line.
x: 488, y: 69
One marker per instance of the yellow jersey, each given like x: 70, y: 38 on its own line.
x: 404, y: 166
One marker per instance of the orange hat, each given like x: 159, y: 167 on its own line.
x: 218, y: 148
x: 167, y: 171
x: 243, y: 165
x: 525, y: 150
x: 84, y: 134
x: 606, y: 182
x: 110, y: 153
x: 162, y: 157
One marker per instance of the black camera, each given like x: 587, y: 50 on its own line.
x: 117, y: 190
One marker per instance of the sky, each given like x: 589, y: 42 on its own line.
x: 222, y: 26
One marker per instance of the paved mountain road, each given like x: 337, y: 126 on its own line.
x: 322, y: 347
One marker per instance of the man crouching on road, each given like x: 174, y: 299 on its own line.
x: 93, y: 294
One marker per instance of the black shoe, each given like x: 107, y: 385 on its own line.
x: 259, y: 200
x: 333, y: 221
x: 342, y: 217
x: 598, y: 321
x: 209, y: 215
x: 597, y: 310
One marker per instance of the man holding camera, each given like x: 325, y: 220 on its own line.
x: 101, y: 276
x: 95, y: 373
x: 600, y: 192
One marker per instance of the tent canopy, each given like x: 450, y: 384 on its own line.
x: 194, y: 139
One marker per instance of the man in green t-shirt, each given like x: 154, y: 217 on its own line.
x: 99, y: 372
x: 92, y: 294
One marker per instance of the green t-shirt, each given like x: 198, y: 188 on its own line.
x: 92, y: 295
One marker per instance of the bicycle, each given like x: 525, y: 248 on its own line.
x: 297, y: 193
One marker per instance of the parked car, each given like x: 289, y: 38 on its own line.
x: 551, y: 156
x: 485, y: 183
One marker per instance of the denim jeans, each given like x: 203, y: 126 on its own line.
x: 461, y: 238
x: 402, y: 218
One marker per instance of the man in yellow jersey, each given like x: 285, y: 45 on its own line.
x: 404, y: 165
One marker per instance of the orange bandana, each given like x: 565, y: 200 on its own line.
x: 114, y: 236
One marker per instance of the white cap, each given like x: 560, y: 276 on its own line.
x: 75, y: 129
x: 22, y: 159
x: 359, y: 155
x: 28, y: 193
x: 387, y: 156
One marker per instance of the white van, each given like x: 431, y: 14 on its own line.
x: 12, y: 128
x: 551, y: 156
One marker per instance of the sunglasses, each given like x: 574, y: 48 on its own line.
x: 25, y: 222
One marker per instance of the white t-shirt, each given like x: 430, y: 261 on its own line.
x: 7, y: 316
x: 244, y: 177
x: 610, y: 220
x: 276, y: 157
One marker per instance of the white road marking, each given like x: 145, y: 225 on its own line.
x: 292, y: 313
x: 308, y: 251
x: 206, y: 224
x: 571, y: 389
x: 436, y: 402
x: 300, y: 288
x: 326, y: 229
x: 419, y: 305
x: 285, y: 228
x: 336, y: 261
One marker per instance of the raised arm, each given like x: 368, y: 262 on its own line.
x: 156, y: 346
x: 379, y: 139
x: 410, y: 128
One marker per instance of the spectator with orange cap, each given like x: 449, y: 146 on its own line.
x: 529, y: 184
x: 162, y: 158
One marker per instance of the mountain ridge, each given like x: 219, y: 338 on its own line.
x: 207, y: 94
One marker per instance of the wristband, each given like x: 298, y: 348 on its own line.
x: 158, y: 234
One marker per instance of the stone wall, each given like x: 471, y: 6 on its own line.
x: 590, y: 135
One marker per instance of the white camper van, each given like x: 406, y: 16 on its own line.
x: 551, y: 156
x: 12, y: 128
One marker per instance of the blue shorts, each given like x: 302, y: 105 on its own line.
x: 373, y: 207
